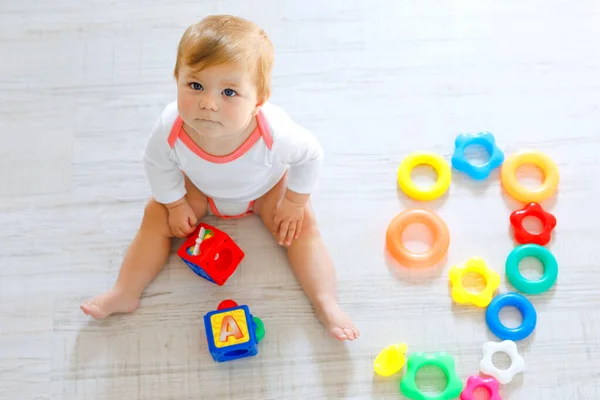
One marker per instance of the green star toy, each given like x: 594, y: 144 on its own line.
x: 443, y: 361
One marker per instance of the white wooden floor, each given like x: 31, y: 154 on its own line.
x: 81, y: 84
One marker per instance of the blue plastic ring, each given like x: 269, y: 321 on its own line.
x: 477, y: 172
x: 492, y: 316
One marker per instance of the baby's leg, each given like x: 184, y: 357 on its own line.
x: 312, y: 266
x: 144, y: 259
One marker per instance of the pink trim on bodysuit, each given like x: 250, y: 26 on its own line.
x: 175, y: 130
x: 262, y: 130
x: 215, y: 211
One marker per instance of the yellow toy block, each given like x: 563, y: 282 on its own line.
x: 229, y: 328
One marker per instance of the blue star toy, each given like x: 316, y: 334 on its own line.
x: 477, y: 172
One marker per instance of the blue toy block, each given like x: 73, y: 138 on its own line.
x: 199, y: 271
x: 232, y: 332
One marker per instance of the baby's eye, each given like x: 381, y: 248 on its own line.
x: 229, y: 92
x: 196, y: 86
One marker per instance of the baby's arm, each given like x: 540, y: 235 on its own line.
x: 167, y: 182
x: 298, y: 148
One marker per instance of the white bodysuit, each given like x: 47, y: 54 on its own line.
x: 234, y: 181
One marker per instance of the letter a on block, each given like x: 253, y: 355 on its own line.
x: 230, y: 328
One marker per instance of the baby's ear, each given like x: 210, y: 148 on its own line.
x: 257, y: 109
x: 261, y: 102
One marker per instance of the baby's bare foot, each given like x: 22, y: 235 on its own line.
x: 337, y: 322
x: 113, y: 301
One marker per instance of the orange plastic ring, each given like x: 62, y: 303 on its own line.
x: 393, y: 238
x: 520, y: 193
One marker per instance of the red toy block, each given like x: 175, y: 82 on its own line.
x: 218, y: 257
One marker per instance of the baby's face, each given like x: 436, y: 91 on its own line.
x: 218, y: 101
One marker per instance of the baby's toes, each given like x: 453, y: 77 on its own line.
x: 338, y: 333
x: 349, y: 333
x: 85, y: 308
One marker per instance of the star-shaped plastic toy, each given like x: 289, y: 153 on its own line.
x: 462, y: 295
x: 445, y: 362
x: 390, y: 360
x: 517, y: 364
x: 485, y: 139
x: 475, y: 382
x: 532, y: 210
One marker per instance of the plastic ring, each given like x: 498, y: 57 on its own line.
x: 475, y: 382
x: 443, y: 361
x: 435, y: 161
x: 525, y: 285
x: 434, y: 255
x: 508, y: 347
x: 520, y: 193
x: 523, y: 305
x: 390, y: 360
x: 522, y: 236
x: 478, y: 266
x: 477, y: 172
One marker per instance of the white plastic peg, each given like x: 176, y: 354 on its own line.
x: 199, y: 240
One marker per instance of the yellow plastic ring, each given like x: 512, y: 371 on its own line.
x: 463, y: 296
x: 435, y: 161
x: 516, y: 190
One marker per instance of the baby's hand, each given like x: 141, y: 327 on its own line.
x: 288, y: 221
x: 182, y: 219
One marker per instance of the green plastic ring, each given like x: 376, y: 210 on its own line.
x: 443, y: 361
x: 259, y: 328
x: 525, y: 285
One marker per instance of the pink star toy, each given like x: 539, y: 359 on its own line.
x: 475, y: 382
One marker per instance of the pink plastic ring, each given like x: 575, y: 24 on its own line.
x: 475, y: 382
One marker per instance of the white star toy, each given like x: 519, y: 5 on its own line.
x: 509, y: 347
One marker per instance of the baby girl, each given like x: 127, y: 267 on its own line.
x: 223, y: 148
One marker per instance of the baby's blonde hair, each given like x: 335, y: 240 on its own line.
x: 224, y: 39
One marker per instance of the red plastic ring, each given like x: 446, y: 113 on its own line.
x: 532, y: 210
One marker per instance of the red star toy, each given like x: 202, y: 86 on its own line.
x: 532, y: 210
